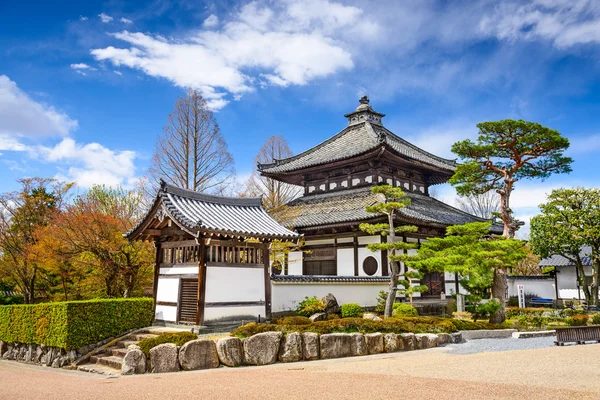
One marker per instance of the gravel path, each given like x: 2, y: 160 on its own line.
x: 487, y: 345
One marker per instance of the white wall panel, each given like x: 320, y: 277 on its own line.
x: 214, y: 314
x: 295, y: 263
x: 369, y: 239
x: 168, y: 290
x: 345, y: 262
x: 166, y: 313
x: 226, y: 284
x: 179, y: 270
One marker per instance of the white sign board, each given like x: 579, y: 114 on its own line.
x: 521, y: 295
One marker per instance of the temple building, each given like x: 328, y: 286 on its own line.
x: 337, y: 176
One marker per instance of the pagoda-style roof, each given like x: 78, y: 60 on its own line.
x: 365, y: 134
x: 201, y: 214
x: 348, y: 207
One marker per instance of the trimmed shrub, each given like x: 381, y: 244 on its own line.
x: 577, y: 320
x: 179, y: 338
x: 404, y: 310
x: 72, y: 324
x: 310, y: 306
x: 351, y: 310
x: 381, y: 299
x: 293, y: 320
x: 332, y: 316
x: 596, y: 319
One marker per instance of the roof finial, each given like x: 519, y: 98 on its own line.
x: 364, y: 99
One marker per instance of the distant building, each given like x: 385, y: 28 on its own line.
x: 566, y: 274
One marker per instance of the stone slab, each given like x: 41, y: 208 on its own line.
x: 488, y: 334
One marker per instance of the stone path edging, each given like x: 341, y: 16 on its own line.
x: 529, y: 335
x: 488, y: 334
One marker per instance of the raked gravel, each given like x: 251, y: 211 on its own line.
x: 487, y: 345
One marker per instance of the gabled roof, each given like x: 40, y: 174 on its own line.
x: 198, y: 213
x: 364, y: 133
x: 559, y: 261
x: 348, y: 206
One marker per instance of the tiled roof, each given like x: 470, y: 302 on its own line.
x: 329, y: 278
x: 349, y: 206
x: 530, y: 277
x: 355, y: 140
x: 560, y: 261
x: 201, y: 212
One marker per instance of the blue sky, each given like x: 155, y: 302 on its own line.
x: 86, y: 87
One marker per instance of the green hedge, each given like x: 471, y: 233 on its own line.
x: 72, y: 324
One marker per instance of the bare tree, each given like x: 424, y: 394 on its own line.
x: 275, y: 194
x: 482, y: 205
x: 192, y: 153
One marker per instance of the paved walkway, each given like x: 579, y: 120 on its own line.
x: 547, y: 373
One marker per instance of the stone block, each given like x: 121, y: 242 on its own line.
x: 134, y: 362
x: 456, y: 337
x: 335, y: 345
x: 198, y: 354
x: 164, y: 358
x: 291, y: 348
x: 262, y: 348
x: 318, y: 317
x: 374, y: 342
x: 372, y: 317
x: 488, y: 334
x: 310, y: 346
x: 392, y: 342
x: 444, y: 338
x: 359, y: 345
x: 230, y: 351
x: 409, y: 341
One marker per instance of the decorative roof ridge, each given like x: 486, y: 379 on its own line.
x: 312, y: 149
x: 417, y: 148
x: 413, y: 194
x: 336, y: 193
x: 210, y: 198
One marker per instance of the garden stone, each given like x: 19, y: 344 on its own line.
x: 318, y: 317
x: 372, y: 317
x: 310, y: 346
x: 163, y: 358
x: 230, y: 351
x: 134, y: 362
x: 374, y: 342
x: 392, y: 342
x: 2, y: 347
x: 71, y: 355
x: 58, y: 362
x: 432, y: 340
x: 456, y: 337
x: 444, y: 338
x: 359, y: 345
x: 335, y: 345
x: 198, y: 354
x: 331, y: 304
x: 30, y: 353
x: 420, y: 341
x: 291, y: 348
x: 133, y: 346
x: 409, y: 341
x: 262, y: 348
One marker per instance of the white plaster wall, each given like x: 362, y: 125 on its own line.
x: 166, y: 313
x: 250, y: 313
x: 567, y: 277
x: 179, y: 270
x: 345, y: 262
x: 540, y: 288
x: 369, y: 239
x: 345, y: 240
x: 285, y: 297
x: 295, y: 263
x: 318, y: 241
x: 234, y: 284
x: 168, y: 290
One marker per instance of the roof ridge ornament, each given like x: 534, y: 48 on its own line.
x: 364, y: 113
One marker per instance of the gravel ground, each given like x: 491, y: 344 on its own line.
x: 487, y: 345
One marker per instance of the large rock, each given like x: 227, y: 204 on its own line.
x: 444, y: 338
x: 331, y: 304
x: 291, y: 348
x: 374, y: 342
x: 262, y: 348
x: 59, y: 362
x: 164, y: 358
x: 310, y: 346
x: 372, y: 317
x: 198, y: 354
x: 359, y: 345
x: 335, y: 345
x: 134, y: 362
x: 432, y: 340
x: 409, y: 341
x: 392, y: 342
x: 230, y: 351
x: 30, y: 353
x: 2, y: 347
x: 318, y: 317
x: 39, y: 352
x: 456, y: 337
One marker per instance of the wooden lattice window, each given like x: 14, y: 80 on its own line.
x: 370, y: 266
x: 320, y: 261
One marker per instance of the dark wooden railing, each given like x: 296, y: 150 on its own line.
x: 218, y: 252
x: 577, y: 334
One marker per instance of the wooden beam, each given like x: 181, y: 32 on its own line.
x: 384, y: 259
x: 267, y: 276
x: 201, y: 282
x: 172, y: 231
x: 152, y: 232
x: 355, y: 255
x: 157, y: 261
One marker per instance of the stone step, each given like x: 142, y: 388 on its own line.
x: 99, y: 369
x: 142, y: 336
x: 118, y: 351
x: 125, y: 343
x: 110, y: 361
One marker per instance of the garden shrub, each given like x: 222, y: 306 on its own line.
x: 293, y: 320
x: 512, y: 312
x: 72, y: 324
x: 332, y: 316
x: 596, y: 319
x: 577, y: 320
x: 351, y: 310
x: 404, y: 310
x: 462, y: 315
x: 310, y: 306
x: 179, y: 338
x: 381, y: 299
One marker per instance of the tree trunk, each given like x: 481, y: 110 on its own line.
x: 499, y: 287
x: 594, y: 289
x: 395, y: 271
x: 581, y: 280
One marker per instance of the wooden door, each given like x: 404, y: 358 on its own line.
x: 188, y: 301
x: 435, y: 284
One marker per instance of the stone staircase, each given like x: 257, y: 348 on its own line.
x: 109, y: 361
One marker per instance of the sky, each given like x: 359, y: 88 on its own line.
x: 86, y: 87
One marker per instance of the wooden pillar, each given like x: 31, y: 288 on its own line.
x: 201, y: 281
x: 355, y: 255
x: 556, y: 286
x: 267, y: 276
x: 157, y: 260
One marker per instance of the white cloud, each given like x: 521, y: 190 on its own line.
x: 211, y: 21
x: 10, y: 144
x: 126, y: 20
x: 105, y: 18
x: 584, y: 144
x: 288, y: 45
x: 81, y: 66
x: 21, y: 116
x: 118, y: 73
x: 82, y: 18
x: 89, y: 164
